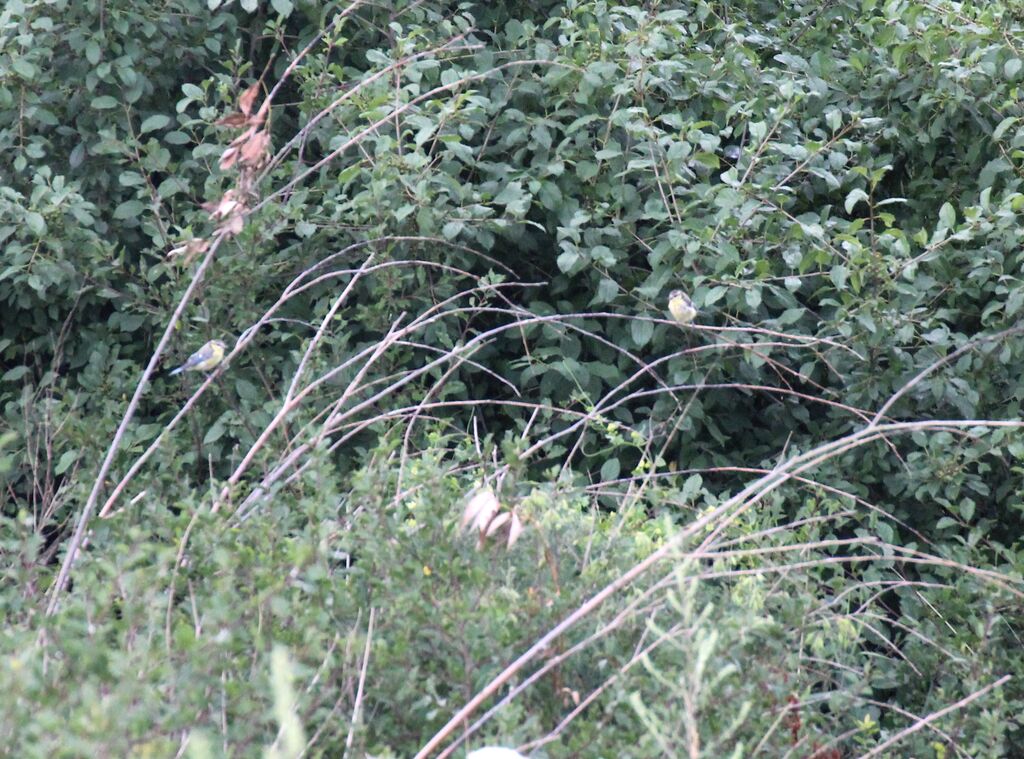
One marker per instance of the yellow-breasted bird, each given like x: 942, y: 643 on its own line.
x: 204, y: 359
x: 681, y: 307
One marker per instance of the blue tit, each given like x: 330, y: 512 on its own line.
x: 204, y: 359
x: 681, y: 307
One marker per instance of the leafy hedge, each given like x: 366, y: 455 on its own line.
x: 450, y: 269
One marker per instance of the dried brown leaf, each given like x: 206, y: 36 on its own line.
x: 228, y: 205
x: 243, y: 137
x: 480, y: 509
x: 497, y: 523
x: 248, y: 98
x: 254, y: 151
x: 515, y: 529
x: 190, y: 249
x: 568, y: 694
x: 228, y: 158
x: 233, y: 225
x: 233, y: 120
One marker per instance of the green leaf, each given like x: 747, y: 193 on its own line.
x: 853, y: 198
x: 1005, y: 124
x: 171, y: 186
x: 92, y: 52
x: 791, y: 316
x: 691, y: 487
x: 23, y: 68
x: 947, y: 216
x: 36, y: 223
x: 607, y: 291
x: 610, y: 470
x: 567, y: 260
x: 839, y: 274
x: 714, y: 295
x: 104, y: 103
x: 641, y: 330
x: 246, y: 390
x: 77, y: 156
x: 15, y: 374
x: 510, y: 194
x: 156, y: 121
x: 66, y: 460
x: 215, y: 433
x: 129, y: 209
x: 992, y: 169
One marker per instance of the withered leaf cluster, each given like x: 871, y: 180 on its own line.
x: 250, y: 148
x: 248, y: 153
x: 485, y: 514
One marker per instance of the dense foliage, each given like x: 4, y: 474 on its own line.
x: 438, y: 239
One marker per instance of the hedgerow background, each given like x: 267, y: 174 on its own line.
x: 438, y: 239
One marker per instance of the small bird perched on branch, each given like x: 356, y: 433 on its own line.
x: 681, y: 307
x: 204, y: 359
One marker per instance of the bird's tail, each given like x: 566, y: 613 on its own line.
x: 179, y: 370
